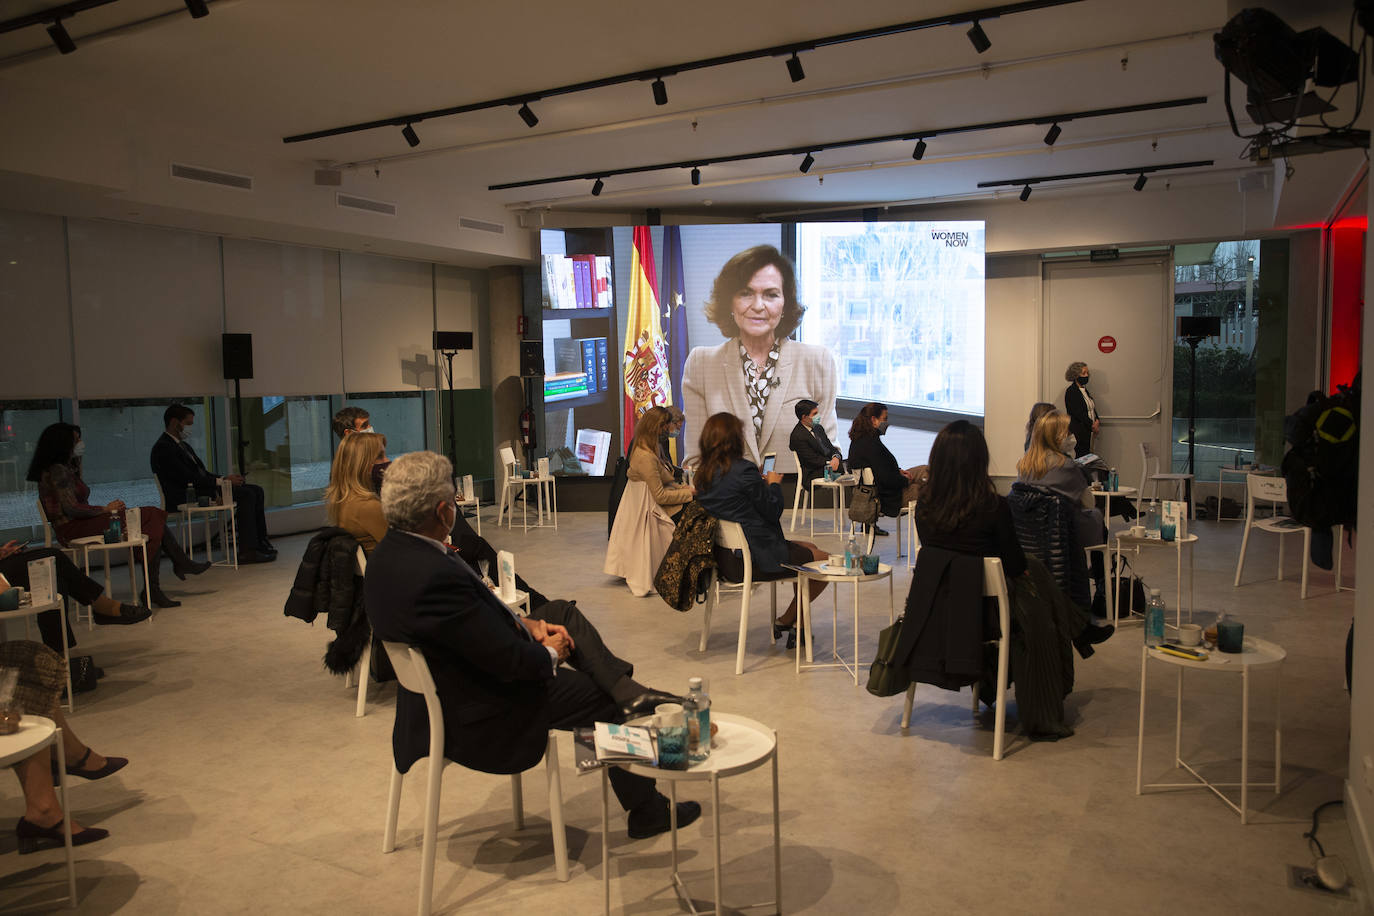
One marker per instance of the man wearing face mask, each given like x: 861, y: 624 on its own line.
x: 176, y: 465
x: 356, y: 420
x: 814, y: 449
x: 896, y: 487
x: 1082, y: 410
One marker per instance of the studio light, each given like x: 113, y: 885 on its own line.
x: 58, y: 33
x: 806, y: 163
x: 978, y: 38
x: 794, y: 68
x: 696, y: 176
x: 597, y: 188
x: 919, y: 152
x: 660, y: 92
x: 1052, y: 134
x: 1140, y: 182
x: 197, y: 9
x: 411, y: 136
x: 1025, y: 193
x: 528, y: 116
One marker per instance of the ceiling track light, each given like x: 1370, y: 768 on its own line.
x: 1052, y: 134
x: 197, y: 9
x: 58, y: 33
x: 527, y: 115
x: 1140, y: 171
x: 806, y: 163
x: 660, y: 92
x: 598, y: 187
x: 411, y: 136
x: 696, y: 176
x: 1140, y: 181
x: 1025, y: 193
x: 979, y: 39
x: 794, y: 68
x: 920, y: 151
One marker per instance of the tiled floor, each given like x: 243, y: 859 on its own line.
x: 252, y: 787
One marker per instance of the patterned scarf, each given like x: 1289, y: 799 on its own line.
x: 759, y: 384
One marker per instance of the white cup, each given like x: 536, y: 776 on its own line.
x: 669, y: 715
x: 1137, y: 531
x: 835, y: 559
x: 1189, y: 634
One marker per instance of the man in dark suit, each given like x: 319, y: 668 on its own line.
x: 176, y: 465
x: 813, y: 447
x: 497, y: 675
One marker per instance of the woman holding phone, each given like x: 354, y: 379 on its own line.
x: 730, y: 488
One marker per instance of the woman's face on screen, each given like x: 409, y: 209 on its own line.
x: 758, y: 307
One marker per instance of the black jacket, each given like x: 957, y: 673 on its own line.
x: 740, y: 495
x: 327, y: 582
x: 813, y: 451
x: 1080, y: 423
x: 491, y: 676
x: 1046, y: 527
x: 176, y: 464
x: 943, y: 620
x: 869, y: 452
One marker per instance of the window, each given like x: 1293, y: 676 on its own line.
x: 289, y: 447
x: 20, y: 424
x: 119, y: 436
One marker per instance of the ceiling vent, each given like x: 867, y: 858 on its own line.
x: 481, y: 225
x: 211, y: 176
x: 363, y: 203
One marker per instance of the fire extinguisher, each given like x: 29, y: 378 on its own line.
x: 522, y: 324
x: 527, y: 429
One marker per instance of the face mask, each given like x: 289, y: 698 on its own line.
x: 185, y: 434
x: 367, y: 429
x: 1070, y: 444
x: 1083, y: 381
x: 78, y: 450
x: 809, y: 421
x: 882, y: 428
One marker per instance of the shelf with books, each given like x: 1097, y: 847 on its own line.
x: 578, y: 314
x: 587, y: 400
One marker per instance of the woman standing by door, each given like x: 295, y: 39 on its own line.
x: 1082, y: 410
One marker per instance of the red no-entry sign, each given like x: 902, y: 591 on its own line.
x: 1106, y: 343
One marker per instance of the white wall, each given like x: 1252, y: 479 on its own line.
x: 1012, y: 374
x: 34, y: 308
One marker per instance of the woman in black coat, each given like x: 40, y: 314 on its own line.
x: 1082, y: 410
x: 896, y: 487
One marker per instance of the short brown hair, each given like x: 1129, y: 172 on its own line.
x: 649, y: 427
x: 735, y: 276
x: 721, y: 445
x: 1075, y: 369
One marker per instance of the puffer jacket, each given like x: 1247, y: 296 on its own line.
x: 684, y: 576
x: 327, y: 582
x: 1045, y: 527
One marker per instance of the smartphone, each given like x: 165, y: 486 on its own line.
x: 769, y: 460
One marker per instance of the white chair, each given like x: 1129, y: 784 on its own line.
x: 363, y: 669
x: 413, y: 673
x: 994, y: 585
x: 508, y: 486
x: 1275, y: 490
x: 908, y: 517
x: 640, y: 536
x: 1182, y: 483
x: 471, y: 502
x: 731, y: 536
x: 799, y: 497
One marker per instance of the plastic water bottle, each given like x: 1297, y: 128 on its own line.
x: 696, y: 707
x: 1152, y: 521
x: 851, y: 552
x: 1113, y: 480
x: 1154, y: 619
x: 190, y: 494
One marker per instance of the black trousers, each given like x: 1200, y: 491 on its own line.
x: 71, y: 582
x: 575, y: 700
x: 590, y: 655
x: 473, y: 547
x: 252, y: 516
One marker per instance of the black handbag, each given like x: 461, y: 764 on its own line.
x: 886, y: 677
x: 864, y: 506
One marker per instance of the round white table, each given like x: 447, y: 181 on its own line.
x: 546, y: 495
x: 228, y: 529
x: 739, y: 745
x: 1121, y: 493
x: 837, y: 516
x: 1130, y: 540
x: 818, y: 571
x: 1256, y: 653
x: 35, y: 733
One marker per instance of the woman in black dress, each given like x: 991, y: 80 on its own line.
x: 1081, y: 408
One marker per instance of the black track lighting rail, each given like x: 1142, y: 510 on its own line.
x: 810, y: 149
x: 1102, y: 173
x: 51, y: 14
x: 657, y: 74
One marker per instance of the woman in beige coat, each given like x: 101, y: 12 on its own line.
x: 650, y: 467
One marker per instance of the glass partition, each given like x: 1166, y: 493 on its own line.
x: 119, y: 436
x: 20, y: 424
x: 289, y: 447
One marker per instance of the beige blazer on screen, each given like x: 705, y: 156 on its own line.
x: 713, y: 382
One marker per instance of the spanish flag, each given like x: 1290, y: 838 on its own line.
x: 646, y: 352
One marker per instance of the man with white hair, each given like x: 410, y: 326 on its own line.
x: 497, y: 675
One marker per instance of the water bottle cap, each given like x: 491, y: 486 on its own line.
x: 693, y: 683
x: 1154, y: 593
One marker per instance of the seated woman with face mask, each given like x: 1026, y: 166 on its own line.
x: 1049, y: 463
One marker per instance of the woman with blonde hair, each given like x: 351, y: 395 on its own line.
x: 1049, y: 463
x: 350, y: 502
x: 649, y: 466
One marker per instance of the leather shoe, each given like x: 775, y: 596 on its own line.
x: 255, y: 556
x: 33, y: 837
x: 112, y: 765
x: 880, y: 532
x: 643, y: 825
x: 643, y: 705
x: 128, y: 613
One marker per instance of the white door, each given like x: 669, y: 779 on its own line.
x: 1131, y: 302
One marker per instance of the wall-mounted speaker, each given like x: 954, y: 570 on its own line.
x: 453, y: 340
x: 1199, y: 326
x: 238, y: 355
x: 531, y: 358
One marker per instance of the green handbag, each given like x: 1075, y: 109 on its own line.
x: 886, y: 677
